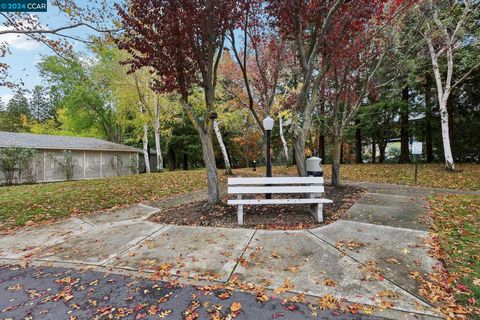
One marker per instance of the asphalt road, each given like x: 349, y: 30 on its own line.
x: 60, y: 293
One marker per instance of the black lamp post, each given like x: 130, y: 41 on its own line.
x: 268, y: 126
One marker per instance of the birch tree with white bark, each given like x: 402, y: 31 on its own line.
x: 283, y: 124
x: 144, y: 138
x: 218, y: 133
x: 150, y: 113
x: 156, y: 132
x: 447, y: 29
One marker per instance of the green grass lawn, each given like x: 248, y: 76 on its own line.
x: 466, y: 177
x: 19, y: 204
x: 456, y: 220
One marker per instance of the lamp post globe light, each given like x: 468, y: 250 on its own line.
x: 268, y: 126
x: 268, y: 123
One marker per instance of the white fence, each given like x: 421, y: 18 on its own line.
x: 47, y: 166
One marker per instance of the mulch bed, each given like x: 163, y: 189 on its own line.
x: 281, y: 217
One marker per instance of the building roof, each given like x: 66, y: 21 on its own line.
x: 44, y: 141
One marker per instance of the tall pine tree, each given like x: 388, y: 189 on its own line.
x: 40, y: 107
x: 17, y: 113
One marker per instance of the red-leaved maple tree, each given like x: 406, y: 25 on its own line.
x: 334, y: 41
x: 357, y: 53
x: 181, y: 43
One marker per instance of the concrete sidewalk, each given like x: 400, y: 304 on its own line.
x: 366, y: 258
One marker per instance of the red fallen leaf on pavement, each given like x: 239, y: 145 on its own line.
x: 140, y: 316
x: 192, y: 316
x: 243, y: 262
x: 103, y: 311
x: 139, y: 307
x: 291, y: 307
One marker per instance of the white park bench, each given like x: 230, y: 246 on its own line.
x: 312, y: 187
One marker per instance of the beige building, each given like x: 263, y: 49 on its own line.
x: 57, y: 158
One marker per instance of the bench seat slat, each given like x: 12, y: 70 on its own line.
x: 275, y: 180
x: 277, y: 201
x: 275, y: 189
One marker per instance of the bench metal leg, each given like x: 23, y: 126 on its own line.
x: 240, y: 214
x: 240, y: 211
x: 317, y: 212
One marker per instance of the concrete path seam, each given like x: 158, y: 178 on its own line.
x: 430, y: 190
x: 241, y: 255
x: 84, y: 221
x: 422, y: 232
x: 358, y: 261
x: 104, y: 262
x: 149, y: 207
x: 422, y: 198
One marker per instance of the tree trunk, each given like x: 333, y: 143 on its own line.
x: 145, y: 148
x: 299, y: 148
x: 341, y: 152
x: 336, y: 155
x: 451, y: 113
x: 428, y: 123
x: 404, y: 128
x: 443, y: 94
x: 185, y: 161
x: 171, y: 158
x: 449, y: 164
x: 156, y: 130
x: 321, y: 146
x: 321, y: 140
x: 374, y: 151
x: 381, y: 147
x: 358, y: 144
x: 284, y: 142
x: 209, y: 161
x: 228, y: 168
x: 294, y: 156
x: 145, y: 141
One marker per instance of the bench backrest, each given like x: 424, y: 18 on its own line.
x: 275, y: 180
x: 275, y: 185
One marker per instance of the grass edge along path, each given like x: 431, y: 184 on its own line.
x: 24, y: 204
x: 454, y: 286
x: 434, y: 175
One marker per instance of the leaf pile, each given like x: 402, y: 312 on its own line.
x: 270, y: 217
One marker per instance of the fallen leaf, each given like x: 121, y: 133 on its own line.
x: 236, y: 306
x: 329, y: 283
x: 287, y: 286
